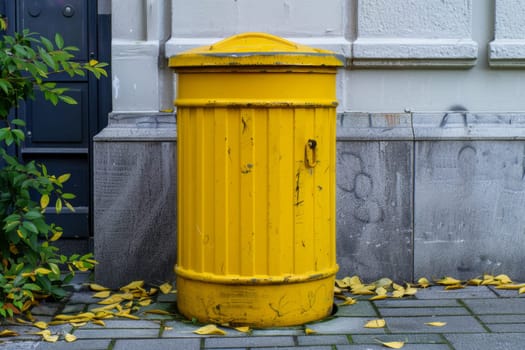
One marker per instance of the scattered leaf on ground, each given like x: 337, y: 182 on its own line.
x: 70, y: 337
x: 50, y: 338
x: 165, y: 288
x: 436, y: 324
x: 103, y: 294
x: 157, y: 312
x: 521, y: 290
x: 348, y: 301
x: 454, y: 286
x: 309, y: 331
x: 244, y: 329
x: 393, y: 344
x: 448, y: 281
x: 97, y: 287
x: 379, y: 323
x: 423, y: 282
x: 132, y: 285
x: 40, y: 324
x: 379, y: 297
x: 210, y: 329
x: 8, y: 333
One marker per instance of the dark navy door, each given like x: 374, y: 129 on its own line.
x: 60, y: 136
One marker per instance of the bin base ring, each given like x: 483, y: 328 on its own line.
x: 281, y: 302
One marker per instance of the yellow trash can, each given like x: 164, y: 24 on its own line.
x: 256, y: 181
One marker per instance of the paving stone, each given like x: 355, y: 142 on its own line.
x: 167, y: 298
x: 46, y: 309
x: 507, y: 293
x: 405, y: 347
x: 116, y: 333
x: 248, y: 342
x: 408, y: 338
x: 360, y: 309
x: 345, y: 325
x: 506, y: 327
x: 295, y: 348
x: 431, y: 311
x: 391, y: 303
x: 469, y: 292
x: 129, y: 324
x: 83, y: 298
x: 279, y: 331
x: 497, y: 306
x: 322, y: 340
x: 157, y: 344
x: 502, y: 318
x: 95, y: 344
x: 490, y: 341
x: 73, y: 308
x: 18, y: 345
x: 455, y: 324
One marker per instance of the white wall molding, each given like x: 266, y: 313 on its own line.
x: 508, y: 47
x: 414, y: 33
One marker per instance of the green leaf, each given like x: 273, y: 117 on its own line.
x: 30, y: 226
x: 59, y: 41
x: 18, y: 122
x: 58, y: 205
x: 63, y: 178
x: 47, y: 43
x: 67, y: 99
x: 69, y: 196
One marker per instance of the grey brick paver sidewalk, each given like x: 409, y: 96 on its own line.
x: 476, y: 318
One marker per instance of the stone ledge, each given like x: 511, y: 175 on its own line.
x: 507, y: 53
x: 399, y: 52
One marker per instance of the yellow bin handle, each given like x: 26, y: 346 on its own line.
x: 310, y: 153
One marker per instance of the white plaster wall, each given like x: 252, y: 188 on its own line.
x: 508, y: 48
x: 430, y: 88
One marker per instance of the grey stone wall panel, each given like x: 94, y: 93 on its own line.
x: 135, y: 211
x: 374, y: 209
x: 469, y: 204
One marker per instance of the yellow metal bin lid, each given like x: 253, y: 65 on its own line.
x: 256, y: 49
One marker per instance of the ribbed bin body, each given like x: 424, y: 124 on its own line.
x: 256, y: 187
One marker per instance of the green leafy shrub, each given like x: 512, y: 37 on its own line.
x: 29, y: 263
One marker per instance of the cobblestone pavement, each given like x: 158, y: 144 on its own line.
x: 476, y: 318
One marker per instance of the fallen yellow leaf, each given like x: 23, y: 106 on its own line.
x: 209, y: 330
x: 503, y: 279
x: 99, y: 322
x: 447, y: 281
x: 337, y: 290
x: 379, y: 323
x: 521, y: 290
x: 97, y: 287
x: 70, y: 337
x: 454, y: 286
x: 106, y: 308
x: 309, y: 331
x: 348, y: 301
x: 244, y: 329
x: 132, y: 285
x: 102, y: 294
x: 114, y: 299
x: 379, y: 297
x: 475, y: 282
x: 511, y: 286
x: 22, y: 321
x: 166, y: 328
x: 40, y: 324
x: 381, y: 291
x: 410, y: 291
x: 394, y: 344
x: 341, y: 284
x: 8, y: 333
x: 157, y: 312
x: 436, y: 324
x: 166, y: 288
x: 78, y: 324
x: 423, y: 282
x: 50, y: 338
x: 145, y: 302
x: 398, y: 293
